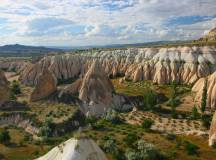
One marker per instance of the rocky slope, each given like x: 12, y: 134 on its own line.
x: 4, y: 88
x: 212, y: 131
x: 96, y: 92
x: 211, y: 90
x: 211, y: 36
x: 161, y: 65
x: 14, y: 65
x: 45, y: 86
x: 75, y: 149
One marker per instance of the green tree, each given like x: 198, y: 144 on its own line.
x: 4, y: 137
x: 204, y: 97
x: 147, y: 123
x: 150, y: 98
x: 195, y: 114
x: 191, y: 148
x: 15, y: 87
x: 47, y: 128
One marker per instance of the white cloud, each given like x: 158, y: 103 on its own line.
x: 125, y: 21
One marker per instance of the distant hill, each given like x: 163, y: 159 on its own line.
x: 21, y: 50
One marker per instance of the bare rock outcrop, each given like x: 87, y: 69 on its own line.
x: 212, y: 131
x: 75, y: 149
x: 161, y: 65
x: 96, y: 86
x: 45, y: 86
x: 211, y: 90
x: 211, y: 36
x: 96, y: 92
x: 4, y: 88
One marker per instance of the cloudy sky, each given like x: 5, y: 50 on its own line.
x: 101, y: 22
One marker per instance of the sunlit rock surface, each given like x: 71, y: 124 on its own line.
x: 161, y: 65
x: 75, y: 149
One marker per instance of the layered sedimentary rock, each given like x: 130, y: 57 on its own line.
x: 161, y: 65
x: 211, y: 90
x: 97, y: 93
x: 15, y: 66
x: 45, y: 86
x: 75, y: 149
x: 212, y: 131
x: 4, y: 88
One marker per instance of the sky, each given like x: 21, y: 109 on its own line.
x: 103, y: 22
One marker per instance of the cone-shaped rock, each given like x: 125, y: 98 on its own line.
x: 75, y: 149
x: 96, y: 86
x: 4, y: 88
x: 45, y: 86
x: 211, y: 90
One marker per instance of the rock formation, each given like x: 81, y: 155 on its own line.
x: 75, y: 149
x: 212, y: 131
x: 211, y: 36
x: 96, y: 86
x: 97, y: 93
x: 161, y: 65
x: 45, y: 86
x: 211, y: 90
x: 4, y: 88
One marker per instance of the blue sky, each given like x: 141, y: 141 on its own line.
x: 101, y: 22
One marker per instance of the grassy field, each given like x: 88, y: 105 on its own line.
x: 174, y: 149
x: 19, y: 148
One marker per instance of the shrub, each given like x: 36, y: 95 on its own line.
x: 147, y: 123
x: 195, y: 114
x: 148, y: 151
x: 204, y: 97
x: 191, y: 148
x: 47, y: 128
x: 150, y: 99
x: 15, y: 87
x: 112, y: 116
x: 206, y: 121
x: 4, y: 137
x: 130, y: 139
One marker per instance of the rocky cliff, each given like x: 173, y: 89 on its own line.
x: 45, y: 86
x: 4, y: 88
x: 211, y: 90
x: 161, y: 65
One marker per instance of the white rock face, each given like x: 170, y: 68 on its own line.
x: 74, y: 149
x: 212, y: 131
x: 161, y: 65
x: 211, y: 90
x: 4, y: 88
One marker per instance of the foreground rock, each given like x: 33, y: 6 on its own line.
x: 211, y: 90
x: 97, y: 93
x: 4, y: 88
x: 212, y: 131
x: 75, y: 149
x: 46, y: 85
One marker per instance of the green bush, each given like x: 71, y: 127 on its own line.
x: 195, y: 114
x: 15, y: 88
x: 112, y: 116
x: 130, y: 139
x: 147, y: 123
x: 149, y: 99
x: 4, y: 137
x: 191, y: 148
